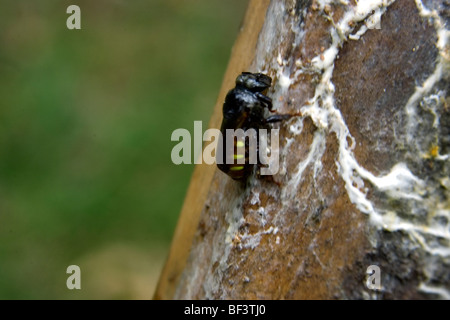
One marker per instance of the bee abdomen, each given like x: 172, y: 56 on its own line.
x: 236, y: 164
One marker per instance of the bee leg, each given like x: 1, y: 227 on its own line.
x: 281, y: 117
x: 277, y: 118
x: 268, y: 178
x: 265, y: 100
x: 258, y: 169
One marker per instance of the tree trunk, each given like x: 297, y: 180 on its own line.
x: 363, y: 188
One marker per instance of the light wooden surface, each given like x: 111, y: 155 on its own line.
x: 241, y: 57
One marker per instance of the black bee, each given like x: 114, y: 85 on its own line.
x: 244, y: 108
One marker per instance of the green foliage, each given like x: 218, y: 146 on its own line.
x: 85, y: 123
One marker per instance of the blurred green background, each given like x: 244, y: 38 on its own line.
x: 86, y: 118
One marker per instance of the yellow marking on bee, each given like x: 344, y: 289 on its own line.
x: 238, y: 156
x: 237, y: 168
x: 240, y: 144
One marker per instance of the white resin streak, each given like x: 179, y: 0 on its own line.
x: 400, y: 182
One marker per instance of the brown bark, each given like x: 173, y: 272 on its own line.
x: 363, y: 176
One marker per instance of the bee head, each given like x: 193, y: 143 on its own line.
x: 256, y: 82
